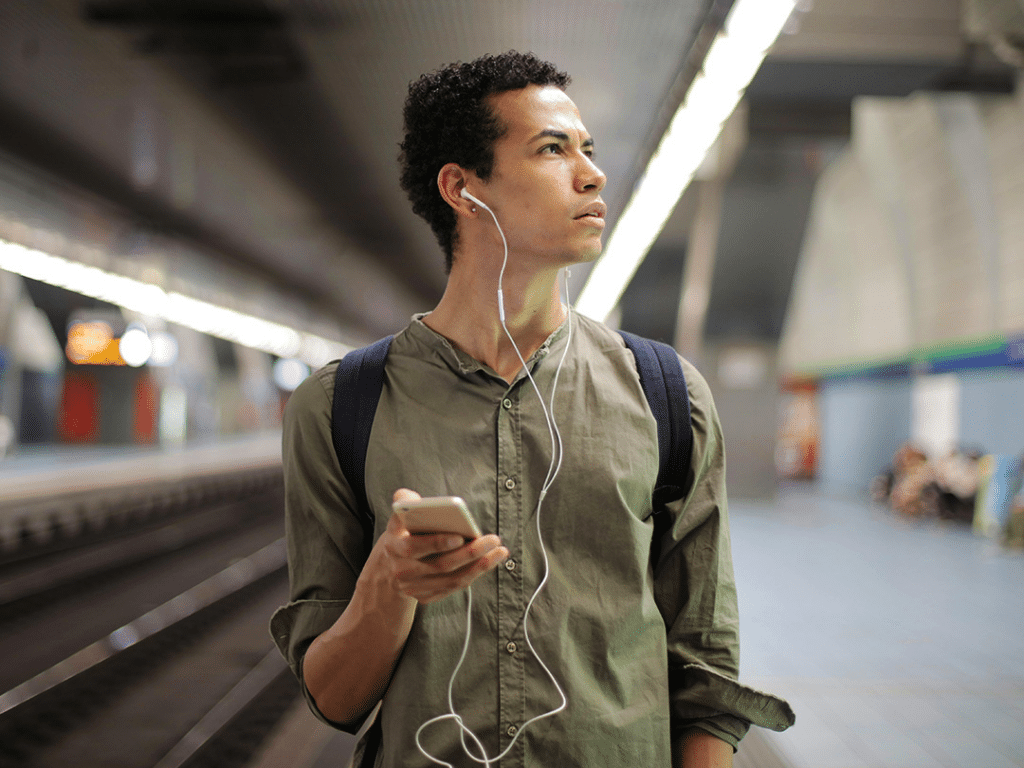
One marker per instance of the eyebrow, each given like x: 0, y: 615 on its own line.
x: 550, y: 132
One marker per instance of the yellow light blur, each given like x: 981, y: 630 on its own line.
x: 730, y: 65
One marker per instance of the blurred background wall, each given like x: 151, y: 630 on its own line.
x: 912, y: 267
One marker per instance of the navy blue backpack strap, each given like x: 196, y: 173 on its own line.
x: 357, y: 387
x: 663, y: 382
x: 664, y: 385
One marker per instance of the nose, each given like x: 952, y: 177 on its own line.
x: 590, y: 177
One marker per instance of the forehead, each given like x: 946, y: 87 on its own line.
x: 528, y: 111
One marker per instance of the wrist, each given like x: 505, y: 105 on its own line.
x: 377, y: 591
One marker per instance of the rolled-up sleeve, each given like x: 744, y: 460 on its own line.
x: 326, y: 549
x: 696, y: 593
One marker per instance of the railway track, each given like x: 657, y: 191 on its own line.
x: 148, y: 648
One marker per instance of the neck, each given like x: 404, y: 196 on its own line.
x: 467, y: 314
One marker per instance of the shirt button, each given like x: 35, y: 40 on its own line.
x: 511, y: 647
x: 510, y: 483
x: 510, y: 565
x: 506, y: 403
x: 511, y: 730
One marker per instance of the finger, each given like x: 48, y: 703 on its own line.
x: 466, y: 554
x: 441, y: 545
x: 430, y: 587
x: 494, y: 558
x: 396, y: 527
x: 438, y: 588
x: 420, y: 546
x: 404, y: 494
x: 414, y: 559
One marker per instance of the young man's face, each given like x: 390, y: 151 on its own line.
x: 545, y: 188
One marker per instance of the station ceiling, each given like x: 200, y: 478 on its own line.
x: 309, y: 94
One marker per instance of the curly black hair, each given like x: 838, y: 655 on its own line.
x: 448, y: 120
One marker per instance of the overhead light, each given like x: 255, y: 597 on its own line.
x: 153, y: 301
x: 165, y: 349
x: 135, y: 346
x: 731, y: 63
x: 289, y: 373
x: 173, y: 415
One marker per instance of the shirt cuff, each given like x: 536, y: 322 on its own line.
x: 706, y: 699
x: 294, y: 626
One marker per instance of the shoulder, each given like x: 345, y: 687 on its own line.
x: 314, y: 395
x: 598, y: 335
x: 696, y: 385
x: 318, y: 387
x: 608, y: 340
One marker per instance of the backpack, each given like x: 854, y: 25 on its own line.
x: 360, y: 379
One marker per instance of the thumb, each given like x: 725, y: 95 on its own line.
x: 404, y: 494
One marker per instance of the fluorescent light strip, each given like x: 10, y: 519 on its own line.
x: 730, y: 65
x: 153, y: 301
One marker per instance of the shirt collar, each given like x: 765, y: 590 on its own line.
x: 459, y: 361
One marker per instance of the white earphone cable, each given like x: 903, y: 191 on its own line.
x: 553, y: 469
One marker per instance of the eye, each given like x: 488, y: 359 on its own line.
x: 551, y: 149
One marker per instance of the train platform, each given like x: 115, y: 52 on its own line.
x: 86, y: 466
x: 899, y: 645
x: 58, y: 490
x: 53, y: 471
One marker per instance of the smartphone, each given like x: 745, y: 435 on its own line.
x: 437, y: 514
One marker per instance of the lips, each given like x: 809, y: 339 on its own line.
x: 595, y: 210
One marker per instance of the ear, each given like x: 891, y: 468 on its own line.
x: 451, y: 180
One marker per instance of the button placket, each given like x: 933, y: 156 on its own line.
x: 511, y: 600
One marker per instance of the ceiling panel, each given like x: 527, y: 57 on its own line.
x: 886, y: 30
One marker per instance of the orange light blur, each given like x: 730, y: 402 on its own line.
x: 93, y: 343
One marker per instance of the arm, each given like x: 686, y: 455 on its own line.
x: 701, y: 750
x: 351, y: 609
x: 348, y: 667
x: 695, y: 591
x: 694, y: 586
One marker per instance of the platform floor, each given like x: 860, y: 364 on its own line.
x: 899, y: 645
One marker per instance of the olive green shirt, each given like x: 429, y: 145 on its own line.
x: 644, y: 651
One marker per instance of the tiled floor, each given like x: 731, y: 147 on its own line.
x: 899, y: 645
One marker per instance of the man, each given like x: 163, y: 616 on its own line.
x: 644, y: 652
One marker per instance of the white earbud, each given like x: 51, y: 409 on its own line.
x: 465, y: 193
x: 469, y: 196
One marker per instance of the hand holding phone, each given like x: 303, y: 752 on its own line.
x: 438, y: 514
